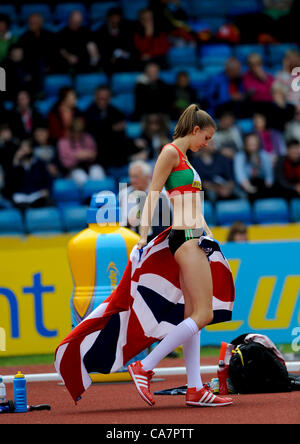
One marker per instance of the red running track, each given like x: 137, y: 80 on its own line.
x: 120, y: 404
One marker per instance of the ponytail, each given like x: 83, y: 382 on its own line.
x: 191, y: 117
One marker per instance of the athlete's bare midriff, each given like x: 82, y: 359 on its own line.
x: 186, y: 211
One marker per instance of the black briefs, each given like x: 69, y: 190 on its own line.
x: 179, y: 237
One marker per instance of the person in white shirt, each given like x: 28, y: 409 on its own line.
x: 132, y: 199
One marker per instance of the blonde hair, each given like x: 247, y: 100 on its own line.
x: 191, y: 117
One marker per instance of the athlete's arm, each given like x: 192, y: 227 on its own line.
x: 207, y: 230
x: 166, y: 161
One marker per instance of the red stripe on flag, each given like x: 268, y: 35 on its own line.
x: 223, y: 286
x: 136, y: 339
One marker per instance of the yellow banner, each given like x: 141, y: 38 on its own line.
x: 35, y: 292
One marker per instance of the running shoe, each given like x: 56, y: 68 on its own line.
x: 205, y: 398
x: 142, y: 379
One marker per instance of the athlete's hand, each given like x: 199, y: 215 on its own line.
x: 141, y: 243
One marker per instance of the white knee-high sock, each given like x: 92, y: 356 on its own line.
x: 191, y: 351
x: 181, y: 333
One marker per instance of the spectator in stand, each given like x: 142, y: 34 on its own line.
x: 6, y: 37
x: 152, y: 95
x: 38, y: 45
x: 253, y: 169
x: 4, y: 203
x: 155, y: 134
x: 284, y: 78
x: 257, y: 81
x: 281, y: 111
x: 78, y: 153
x: 17, y: 76
x: 272, y: 25
x: 62, y: 114
x: 78, y: 52
x: 99, y: 118
x: 226, y: 90
x: 183, y: 95
x: 8, y: 147
x: 287, y: 172
x: 151, y: 43
x: 28, y: 181
x: 271, y: 140
x: 24, y: 117
x: 238, y: 232
x: 120, y: 150
x: 115, y: 44
x: 45, y: 151
x: 228, y: 133
x: 215, y: 172
x: 170, y: 17
x: 132, y: 200
x: 292, y: 130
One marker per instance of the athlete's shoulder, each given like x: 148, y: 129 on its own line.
x: 170, y: 150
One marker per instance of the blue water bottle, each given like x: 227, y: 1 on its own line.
x: 20, y: 393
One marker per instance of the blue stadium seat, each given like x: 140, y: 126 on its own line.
x: 209, y: 213
x: 215, y: 50
x: 65, y: 190
x: 243, y: 51
x: 212, y: 70
x: 131, y: 8
x: 276, y: 52
x: 295, y: 210
x: 214, y: 54
x: 237, y: 7
x: 133, y: 130
x: 39, y: 8
x: 62, y: 11
x: 11, y: 222
x: 95, y: 186
x: 245, y: 125
x: 74, y: 218
x: 124, y: 102
x: 271, y: 211
x: 168, y: 76
x: 86, y: 84
x: 228, y: 212
x: 98, y: 11
x: 208, y: 8
x: 43, y: 220
x: 45, y: 106
x: 182, y: 56
x: 214, y: 23
x: 124, y: 82
x: 84, y: 102
x: 54, y: 82
x: 10, y: 11
x: 198, y: 79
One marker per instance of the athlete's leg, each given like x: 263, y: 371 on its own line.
x: 191, y: 347
x: 199, y: 298
x: 196, y: 281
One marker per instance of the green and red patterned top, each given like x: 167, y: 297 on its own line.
x: 183, y: 178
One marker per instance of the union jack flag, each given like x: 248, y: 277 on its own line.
x: 147, y: 304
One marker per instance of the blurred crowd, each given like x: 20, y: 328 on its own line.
x: 35, y: 149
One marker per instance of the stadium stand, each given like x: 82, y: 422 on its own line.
x: 197, y: 48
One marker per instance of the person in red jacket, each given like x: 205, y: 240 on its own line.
x: 287, y: 172
x: 257, y: 81
x: 62, y: 114
x: 152, y: 45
